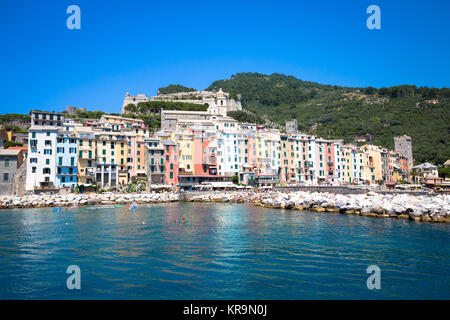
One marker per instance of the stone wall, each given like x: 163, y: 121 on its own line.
x: 7, y: 172
x: 20, y: 177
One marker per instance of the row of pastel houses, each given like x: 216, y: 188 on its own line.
x: 112, y: 151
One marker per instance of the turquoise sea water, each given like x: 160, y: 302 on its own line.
x: 221, y: 251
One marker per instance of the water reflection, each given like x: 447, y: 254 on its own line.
x: 214, y: 251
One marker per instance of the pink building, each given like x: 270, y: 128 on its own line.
x: 136, y: 156
x: 329, y: 161
x: 170, y: 161
x: 251, y: 143
x: 205, y: 159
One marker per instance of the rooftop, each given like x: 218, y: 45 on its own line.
x: 44, y: 128
x: 8, y: 152
x: 168, y: 142
x: 18, y: 148
x: 47, y: 112
x: 425, y: 165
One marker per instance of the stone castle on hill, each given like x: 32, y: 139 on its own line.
x: 219, y: 102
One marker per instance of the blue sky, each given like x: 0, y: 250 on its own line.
x: 139, y: 46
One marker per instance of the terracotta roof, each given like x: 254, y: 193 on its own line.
x: 18, y: 148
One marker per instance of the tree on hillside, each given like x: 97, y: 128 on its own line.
x: 174, y: 88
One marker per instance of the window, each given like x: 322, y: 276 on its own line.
x: 171, y: 175
x: 6, y: 163
x: 47, y: 151
x: 72, y: 161
x: 33, y: 169
x: 5, y: 176
x: 59, y: 161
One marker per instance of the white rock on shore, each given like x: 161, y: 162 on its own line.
x: 58, y: 200
x: 415, y: 207
x: 404, y: 206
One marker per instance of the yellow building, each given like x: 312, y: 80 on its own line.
x: 347, y: 171
x: 87, y: 146
x: 374, y: 163
x: 184, y: 137
x: 291, y: 162
x: 121, y: 152
x: 268, y: 151
x: 112, y: 154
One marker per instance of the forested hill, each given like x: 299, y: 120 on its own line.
x: 342, y: 112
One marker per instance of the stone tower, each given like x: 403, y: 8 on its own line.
x: 291, y: 126
x: 403, y: 144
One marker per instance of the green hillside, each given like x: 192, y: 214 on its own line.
x: 174, y: 88
x: 344, y: 113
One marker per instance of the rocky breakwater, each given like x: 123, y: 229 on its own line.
x: 400, y: 206
x: 69, y: 200
x: 223, y: 196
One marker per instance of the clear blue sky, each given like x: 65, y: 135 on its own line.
x: 139, y: 46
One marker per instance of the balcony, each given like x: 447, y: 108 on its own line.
x: 66, y: 174
x: 309, y: 164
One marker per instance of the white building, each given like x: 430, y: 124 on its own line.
x: 229, y: 152
x: 339, y: 161
x: 41, y: 162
